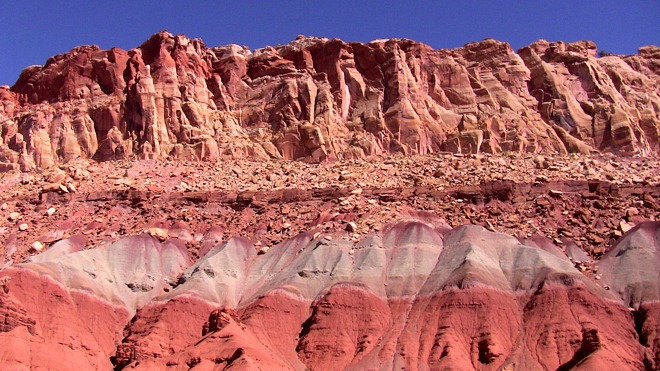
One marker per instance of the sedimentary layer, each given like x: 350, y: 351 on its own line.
x: 316, y: 99
x: 418, y: 295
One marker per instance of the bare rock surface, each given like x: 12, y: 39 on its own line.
x: 319, y: 99
x: 632, y: 265
x: 475, y: 208
x: 66, y: 308
x: 417, y: 295
x: 632, y: 270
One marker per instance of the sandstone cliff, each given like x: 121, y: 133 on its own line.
x: 315, y: 99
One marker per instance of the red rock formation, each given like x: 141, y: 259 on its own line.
x: 317, y: 99
x: 417, y: 296
x: 66, y: 309
x: 632, y: 270
x: 46, y: 325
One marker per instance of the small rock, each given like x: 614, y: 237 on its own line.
x: 490, y: 226
x: 4, y: 206
x: 542, y: 201
x: 71, y: 188
x: 650, y: 202
x: 555, y: 193
x: 55, y: 176
x: 50, y: 211
x: 540, y: 162
x: 596, y: 239
x: 37, y: 246
x: 630, y: 212
x: 263, y: 250
x: 351, y: 227
x: 14, y: 216
x: 348, y: 176
x: 157, y: 233
x: 63, y: 188
x: 600, y: 205
x: 23, y: 227
x: 624, y: 226
x: 357, y: 191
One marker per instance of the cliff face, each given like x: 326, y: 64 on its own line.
x: 315, y: 99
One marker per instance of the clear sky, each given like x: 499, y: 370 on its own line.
x: 32, y: 31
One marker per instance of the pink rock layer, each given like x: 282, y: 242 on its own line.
x: 417, y: 296
x: 317, y: 99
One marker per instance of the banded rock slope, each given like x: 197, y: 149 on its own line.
x: 419, y: 295
x: 317, y: 99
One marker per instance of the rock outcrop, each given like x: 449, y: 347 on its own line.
x: 632, y: 270
x: 398, y: 256
x: 315, y: 99
x: 419, y: 295
x: 66, y: 308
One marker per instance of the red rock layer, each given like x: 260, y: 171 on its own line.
x: 418, y: 296
x: 317, y: 99
x: 632, y: 269
x: 351, y: 328
x: 47, y: 326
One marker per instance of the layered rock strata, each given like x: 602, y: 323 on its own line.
x: 316, y: 99
x: 419, y: 295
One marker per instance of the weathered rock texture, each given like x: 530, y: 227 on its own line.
x: 317, y: 99
x: 419, y: 295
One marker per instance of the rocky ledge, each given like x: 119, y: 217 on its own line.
x: 319, y: 99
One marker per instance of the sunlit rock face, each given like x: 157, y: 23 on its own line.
x: 418, y: 295
x: 316, y: 99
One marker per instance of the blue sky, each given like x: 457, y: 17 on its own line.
x: 32, y: 31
